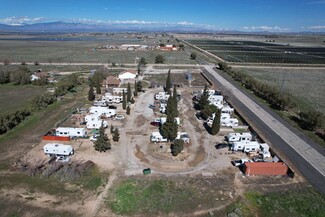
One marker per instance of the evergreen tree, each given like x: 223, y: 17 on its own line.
x: 177, y: 147
x: 215, y: 128
x: 203, y: 101
x: 116, y: 135
x: 135, y: 88
x: 124, y: 101
x: 139, y: 86
x: 169, y: 130
x: 175, y: 101
x: 170, y: 110
x: 102, y: 144
x: 91, y: 95
x: 128, y: 110
x: 129, y: 93
x: 168, y: 83
x: 98, y: 88
x: 112, y: 129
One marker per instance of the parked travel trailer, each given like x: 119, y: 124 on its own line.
x: 231, y: 122
x: 119, y: 90
x: 102, y: 111
x: 102, y: 103
x: 227, y: 109
x: 161, y: 96
x: 157, y: 137
x: 96, y: 124
x: 265, y: 150
x: 71, y: 132
x: 58, y: 149
x: 162, y: 120
x: 246, y: 146
x: 183, y: 136
x: 236, y: 137
x: 112, y: 99
x: 92, y: 117
x: 210, y: 92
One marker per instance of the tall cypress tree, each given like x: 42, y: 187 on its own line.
x: 129, y: 93
x: 98, y: 89
x: 215, y: 128
x: 175, y: 101
x: 168, y: 83
x: 135, y: 88
x: 124, y: 101
x: 203, y: 101
x: 91, y: 95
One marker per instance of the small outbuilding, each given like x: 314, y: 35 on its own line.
x: 265, y: 168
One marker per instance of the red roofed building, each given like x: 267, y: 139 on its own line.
x: 111, y: 81
x: 265, y: 168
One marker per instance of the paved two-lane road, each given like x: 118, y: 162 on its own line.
x: 309, y: 159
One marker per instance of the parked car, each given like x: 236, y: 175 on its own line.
x: 239, y: 162
x: 198, y: 115
x: 62, y: 159
x: 94, y: 137
x: 222, y: 145
x: 112, y: 107
x: 155, y: 124
x: 119, y: 117
x: 152, y: 106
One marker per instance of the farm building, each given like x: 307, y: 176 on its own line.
x: 265, y: 168
x: 127, y: 75
x: 111, y: 81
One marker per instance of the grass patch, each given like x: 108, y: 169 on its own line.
x: 298, y: 202
x: 92, y: 180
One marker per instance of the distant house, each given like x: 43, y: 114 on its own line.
x: 111, y: 81
x: 38, y: 75
x: 127, y: 75
x: 168, y: 47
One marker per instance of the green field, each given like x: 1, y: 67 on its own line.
x: 306, y: 85
x: 15, y: 97
x: 85, y: 51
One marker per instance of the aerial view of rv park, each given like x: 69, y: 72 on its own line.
x: 171, y: 108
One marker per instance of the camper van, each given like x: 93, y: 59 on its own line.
x: 237, y: 137
x: 157, y: 137
x: 96, y: 124
x: 245, y: 146
x: 102, y: 111
x: 58, y: 149
x: 71, y: 132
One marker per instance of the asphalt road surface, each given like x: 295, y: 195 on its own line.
x: 302, y: 153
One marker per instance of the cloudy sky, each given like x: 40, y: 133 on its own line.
x: 244, y: 15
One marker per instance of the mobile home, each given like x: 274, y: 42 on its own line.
x: 100, y: 103
x: 96, y: 124
x: 157, y: 137
x: 102, y: 111
x: 71, y: 132
x: 236, y: 137
x: 246, y: 146
x: 58, y: 149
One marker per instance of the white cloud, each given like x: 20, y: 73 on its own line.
x: 185, y: 23
x: 316, y: 27
x: 16, y: 21
x: 265, y: 28
x: 315, y: 2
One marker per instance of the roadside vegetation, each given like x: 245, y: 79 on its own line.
x: 307, y: 119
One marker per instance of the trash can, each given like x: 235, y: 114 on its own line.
x: 147, y: 171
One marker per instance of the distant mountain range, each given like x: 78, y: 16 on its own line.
x: 82, y: 27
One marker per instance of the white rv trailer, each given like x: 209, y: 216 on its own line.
x: 119, y: 90
x: 96, y: 124
x: 227, y: 109
x: 112, y: 99
x: 246, y: 146
x: 58, y: 149
x: 236, y: 137
x: 183, y: 136
x: 71, y: 132
x: 161, y: 96
x: 92, y: 117
x: 231, y: 122
x: 157, y: 137
x: 162, y: 120
x: 100, y: 103
x: 102, y: 111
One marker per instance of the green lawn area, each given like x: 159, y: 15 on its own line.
x: 15, y: 97
x: 303, y: 202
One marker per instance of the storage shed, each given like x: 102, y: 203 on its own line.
x: 265, y: 168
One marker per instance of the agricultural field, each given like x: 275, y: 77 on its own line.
x: 306, y: 85
x: 18, y: 95
x: 240, y: 51
x: 59, y: 49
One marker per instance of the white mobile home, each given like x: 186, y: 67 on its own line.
x: 245, y: 146
x: 157, y: 137
x: 92, y: 117
x: 102, y: 111
x: 58, y: 149
x: 70, y: 131
x: 119, y: 90
x: 102, y: 103
x: 96, y: 124
x: 236, y: 137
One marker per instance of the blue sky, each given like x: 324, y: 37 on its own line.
x: 248, y: 15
